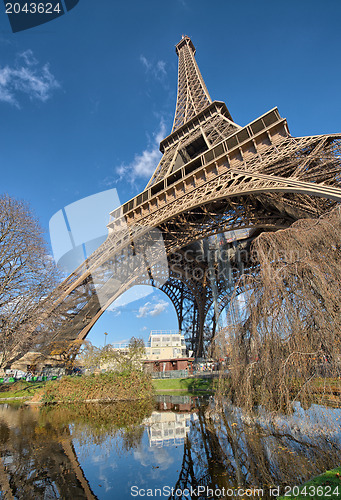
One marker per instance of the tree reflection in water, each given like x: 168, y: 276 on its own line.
x: 224, y: 447
x: 229, y: 449
x: 38, y: 459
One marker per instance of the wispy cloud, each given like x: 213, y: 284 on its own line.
x: 28, y: 58
x: 150, y: 456
x: 157, y: 70
x: 150, y: 309
x: 144, y: 163
x: 26, y: 77
x: 183, y: 3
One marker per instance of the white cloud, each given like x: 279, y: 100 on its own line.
x: 27, y: 77
x: 145, y: 62
x: 28, y: 58
x: 158, y: 70
x: 143, y: 310
x: 150, y: 309
x: 161, y: 67
x: 144, y: 163
x: 151, y: 456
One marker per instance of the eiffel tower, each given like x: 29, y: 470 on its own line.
x: 214, y: 177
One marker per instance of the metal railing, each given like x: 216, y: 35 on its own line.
x: 170, y: 374
x: 165, y: 332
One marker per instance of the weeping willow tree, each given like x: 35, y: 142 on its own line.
x: 285, y: 342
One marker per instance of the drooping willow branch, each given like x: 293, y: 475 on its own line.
x: 287, y: 331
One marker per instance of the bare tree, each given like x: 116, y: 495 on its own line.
x: 65, y: 352
x: 124, y: 359
x: 89, y: 356
x: 27, y: 274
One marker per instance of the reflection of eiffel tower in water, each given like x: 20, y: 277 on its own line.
x: 227, y: 449
x: 36, y: 457
x: 214, y: 177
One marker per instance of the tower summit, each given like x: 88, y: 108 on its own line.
x: 193, y: 95
x: 198, y: 124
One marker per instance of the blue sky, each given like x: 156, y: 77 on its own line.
x: 86, y: 98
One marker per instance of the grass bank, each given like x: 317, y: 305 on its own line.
x: 330, y: 388
x: 100, y: 387
x: 110, y: 386
x: 20, y: 389
x: 325, y: 486
x: 186, y: 385
x: 328, y: 391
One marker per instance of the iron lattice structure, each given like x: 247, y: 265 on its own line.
x: 193, y: 95
x: 214, y: 176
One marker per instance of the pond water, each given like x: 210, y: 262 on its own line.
x: 145, y: 449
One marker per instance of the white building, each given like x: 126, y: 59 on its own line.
x: 166, y: 344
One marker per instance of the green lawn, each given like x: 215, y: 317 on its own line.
x: 19, y: 389
x: 183, y: 385
x: 329, y: 382
x: 326, y: 486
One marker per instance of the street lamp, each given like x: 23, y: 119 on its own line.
x: 105, y: 338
